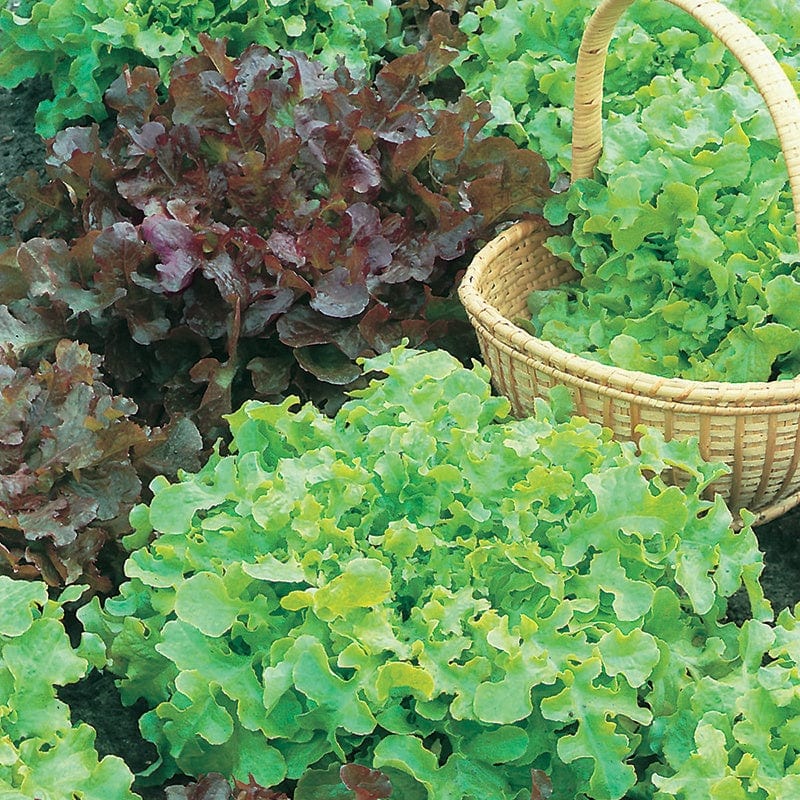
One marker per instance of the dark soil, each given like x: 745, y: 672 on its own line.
x: 20, y: 148
x: 95, y: 700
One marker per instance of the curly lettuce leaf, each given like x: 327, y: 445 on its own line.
x: 424, y: 586
x: 269, y: 223
x: 44, y: 756
x: 82, y: 47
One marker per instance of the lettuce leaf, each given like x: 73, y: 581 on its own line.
x: 264, y: 226
x: 424, y: 586
x: 43, y: 756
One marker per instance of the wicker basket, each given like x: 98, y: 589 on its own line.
x: 754, y: 428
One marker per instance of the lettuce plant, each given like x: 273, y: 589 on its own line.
x: 424, y: 586
x: 263, y: 226
x: 734, y: 734
x: 82, y: 47
x: 350, y: 782
x: 43, y: 756
x: 691, y: 207
x: 67, y: 481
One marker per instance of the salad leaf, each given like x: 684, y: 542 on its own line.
x: 45, y: 756
x: 368, y: 784
x: 265, y: 225
x: 423, y: 586
x: 215, y: 787
x: 684, y: 238
x: 732, y: 734
x: 82, y: 47
x: 67, y: 478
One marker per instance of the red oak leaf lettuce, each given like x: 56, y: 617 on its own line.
x: 66, y: 477
x: 265, y: 224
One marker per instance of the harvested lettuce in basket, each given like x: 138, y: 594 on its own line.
x: 685, y: 238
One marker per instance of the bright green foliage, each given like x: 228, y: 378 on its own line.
x: 685, y: 240
x: 42, y: 756
x: 521, y: 54
x: 686, y: 245
x: 737, y: 736
x: 83, y: 46
x: 428, y: 587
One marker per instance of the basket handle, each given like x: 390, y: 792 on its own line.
x: 752, y: 53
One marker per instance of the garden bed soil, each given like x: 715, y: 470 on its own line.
x: 20, y: 148
x: 95, y: 700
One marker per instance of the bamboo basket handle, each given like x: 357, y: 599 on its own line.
x: 752, y: 53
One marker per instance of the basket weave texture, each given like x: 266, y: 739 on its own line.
x: 754, y: 428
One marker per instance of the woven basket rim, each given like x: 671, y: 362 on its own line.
x: 749, y: 394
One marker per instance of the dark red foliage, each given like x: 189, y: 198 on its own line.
x: 212, y: 786
x: 67, y: 480
x: 253, y: 791
x: 365, y: 783
x: 368, y: 784
x: 262, y: 227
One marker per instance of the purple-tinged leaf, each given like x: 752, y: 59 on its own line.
x: 337, y: 296
x: 72, y: 151
x: 400, y: 78
x: 28, y: 328
x: 542, y: 785
x: 46, y: 266
x: 440, y: 24
x: 119, y: 251
x: 66, y: 478
x: 203, y: 101
x: 59, y: 520
x: 382, y: 332
x: 252, y: 790
x: 364, y: 220
x: 176, y: 446
x: 308, y: 78
x: 504, y: 181
x: 269, y: 202
x: 270, y: 376
x: 362, y: 171
x: 220, y: 267
x: 303, y: 326
x: 216, y: 49
x: 284, y: 246
x: 258, y: 316
x: 51, y: 202
x: 216, y: 400
x: 146, y: 140
x: 17, y: 393
x: 16, y: 484
x: 133, y: 95
x: 205, y: 312
x: 327, y: 363
x: 254, y: 66
x: 177, y: 247
x: 212, y: 786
